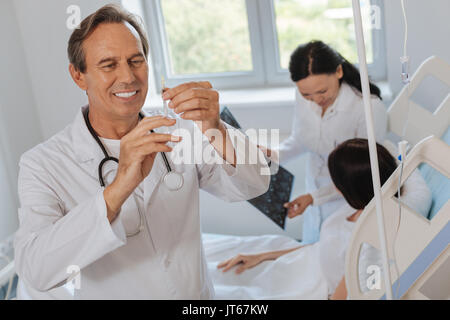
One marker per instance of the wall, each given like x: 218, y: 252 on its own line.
x: 45, y: 36
x: 428, y: 34
x: 19, y: 127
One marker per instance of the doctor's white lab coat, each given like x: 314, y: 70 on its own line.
x: 318, y: 136
x: 63, y: 223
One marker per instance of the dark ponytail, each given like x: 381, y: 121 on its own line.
x: 315, y: 57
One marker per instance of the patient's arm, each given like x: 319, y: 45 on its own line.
x: 251, y: 260
x: 341, y: 291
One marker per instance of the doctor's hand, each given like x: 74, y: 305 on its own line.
x: 245, y: 262
x: 196, y: 101
x: 299, y: 205
x: 138, y: 150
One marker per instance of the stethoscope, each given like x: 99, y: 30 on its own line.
x: 172, y: 180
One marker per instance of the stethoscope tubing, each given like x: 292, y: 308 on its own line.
x: 107, y: 156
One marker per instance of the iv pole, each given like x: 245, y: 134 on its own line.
x: 372, y: 144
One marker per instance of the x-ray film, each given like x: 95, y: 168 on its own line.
x: 272, y: 202
x: 228, y: 117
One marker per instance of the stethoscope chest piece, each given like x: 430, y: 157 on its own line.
x: 173, y: 180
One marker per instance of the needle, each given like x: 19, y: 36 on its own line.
x: 165, y: 107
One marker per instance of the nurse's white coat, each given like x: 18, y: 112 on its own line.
x: 318, y: 136
x: 63, y: 222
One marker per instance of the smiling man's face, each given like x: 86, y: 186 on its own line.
x: 116, y: 77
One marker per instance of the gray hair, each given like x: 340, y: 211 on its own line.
x: 107, y: 14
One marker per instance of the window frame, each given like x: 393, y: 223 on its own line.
x: 226, y: 80
x: 276, y: 75
x: 267, y: 71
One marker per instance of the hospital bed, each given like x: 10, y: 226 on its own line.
x: 418, y: 248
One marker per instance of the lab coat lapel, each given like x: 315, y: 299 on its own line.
x: 87, y: 152
x: 154, y: 179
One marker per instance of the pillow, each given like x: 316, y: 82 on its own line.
x: 416, y: 194
x: 437, y: 182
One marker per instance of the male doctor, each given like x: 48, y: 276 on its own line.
x: 134, y: 238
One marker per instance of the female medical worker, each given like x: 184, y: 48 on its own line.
x: 328, y: 110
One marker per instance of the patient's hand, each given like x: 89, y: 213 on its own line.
x: 251, y: 260
x: 245, y: 261
x: 299, y: 205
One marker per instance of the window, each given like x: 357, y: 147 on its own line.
x: 206, y: 36
x: 247, y: 43
x: 330, y: 21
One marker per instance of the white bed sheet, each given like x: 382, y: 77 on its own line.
x: 296, y: 275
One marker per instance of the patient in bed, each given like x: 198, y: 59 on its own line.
x: 277, y: 267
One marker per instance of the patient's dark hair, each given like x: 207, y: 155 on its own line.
x: 316, y: 57
x: 110, y: 13
x: 349, y: 166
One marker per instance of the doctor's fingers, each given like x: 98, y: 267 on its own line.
x: 194, y: 94
x: 150, y: 123
x: 171, y: 93
x: 195, y: 104
x: 200, y: 115
x: 148, y: 149
x: 156, y: 137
